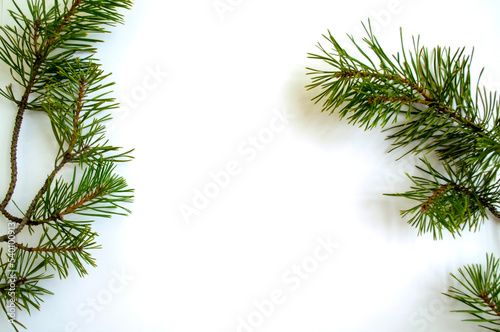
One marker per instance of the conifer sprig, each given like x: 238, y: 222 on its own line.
x: 50, y: 52
x: 479, y: 289
x: 453, y: 200
x: 420, y: 96
x: 425, y: 101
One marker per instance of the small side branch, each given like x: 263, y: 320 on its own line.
x: 435, y: 195
x: 52, y: 250
x: 40, y: 193
x: 453, y: 186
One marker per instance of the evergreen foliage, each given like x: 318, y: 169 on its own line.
x: 50, y: 51
x: 479, y: 289
x: 426, y: 102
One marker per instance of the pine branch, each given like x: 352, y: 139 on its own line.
x: 64, y: 249
x: 98, y: 194
x: 50, y: 55
x: 25, y: 281
x: 479, y: 290
x: 37, y: 59
x: 62, y: 28
x: 429, y: 92
x: 75, y: 104
x: 425, y: 99
x: 453, y: 201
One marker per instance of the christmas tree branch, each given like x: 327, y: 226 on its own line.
x: 50, y: 55
x: 41, y: 52
x: 425, y: 98
x: 479, y: 288
x: 420, y: 86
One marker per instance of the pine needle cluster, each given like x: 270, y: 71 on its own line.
x: 427, y: 103
x: 50, y: 52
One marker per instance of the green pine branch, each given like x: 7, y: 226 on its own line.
x: 420, y: 95
x: 23, y: 284
x: 50, y: 53
x: 426, y: 103
x: 63, y: 250
x: 453, y: 200
x: 479, y: 290
x: 78, y: 105
x: 98, y: 193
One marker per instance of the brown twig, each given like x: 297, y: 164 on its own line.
x: 490, y: 303
x: 443, y: 188
x: 67, y: 157
x: 40, y: 249
x: 98, y: 192
x: 434, y: 196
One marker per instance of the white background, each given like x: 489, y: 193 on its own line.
x: 197, y: 86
